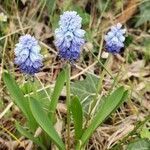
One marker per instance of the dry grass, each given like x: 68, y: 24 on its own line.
x: 28, y: 17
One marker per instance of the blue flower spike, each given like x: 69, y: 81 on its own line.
x: 115, y: 39
x: 69, y: 37
x: 28, y: 56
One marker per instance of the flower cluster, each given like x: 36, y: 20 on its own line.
x: 28, y: 55
x: 69, y: 37
x: 115, y: 38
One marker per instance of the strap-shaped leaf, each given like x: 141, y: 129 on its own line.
x: 16, y: 93
x: 18, y: 98
x: 43, y: 120
x: 109, y: 105
x: 57, y: 91
x: 29, y: 136
x: 77, y: 114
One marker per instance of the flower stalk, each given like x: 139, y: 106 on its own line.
x: 68, y: 70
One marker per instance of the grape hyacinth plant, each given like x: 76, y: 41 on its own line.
x: 28, y: 56
x: 39, y: 105
x: 69, y: 37
x: 114, y: 39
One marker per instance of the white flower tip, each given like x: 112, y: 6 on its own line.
x: 119, y: 25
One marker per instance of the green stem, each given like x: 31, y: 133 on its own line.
x: 115, y: 81
x: 78, y: 147
x: 103, y: 65
x: 68, y: 103
x: 99, y: 87
x: 102, y: 13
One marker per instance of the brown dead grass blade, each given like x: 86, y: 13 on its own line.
x: 128, y: 12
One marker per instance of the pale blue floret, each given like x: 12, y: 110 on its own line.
x: 114, y: 39
x: 28, y: 56
x: 69, y: 37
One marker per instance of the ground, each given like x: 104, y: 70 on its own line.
x: 130, y: 68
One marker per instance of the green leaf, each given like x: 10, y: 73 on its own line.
x: 104, y: 5
x: 77, y: 115
x: 124, y: 97
x: 83, y: 14
x: 145, y: 133
x: 55, y: 20
x: 51, y: 4
x: 29, y: 136
x: 128, y: 40
x: 45, y: 123
x: 109, y: 104
x: 57, y: 91
x: 141, y: 144
x: 33, y: 89
x: 19, y: 99
x: 85, y: 90
x: 144, y: 14
x: 16, y: 93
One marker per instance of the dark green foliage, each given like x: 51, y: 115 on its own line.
x: 141, y: 144
x: 144, y: 15
x: 85, y: 90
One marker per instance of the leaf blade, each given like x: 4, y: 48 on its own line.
x: 77, y: 114
x: 51, y: 6
x: 109, y: 105
x: 19, y: 99
x: 85, y: 90
x: 57, y: 91
x: 141, y: 144
x: 15, y: 92
x: 45, y: 123
x: 29, y: 136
